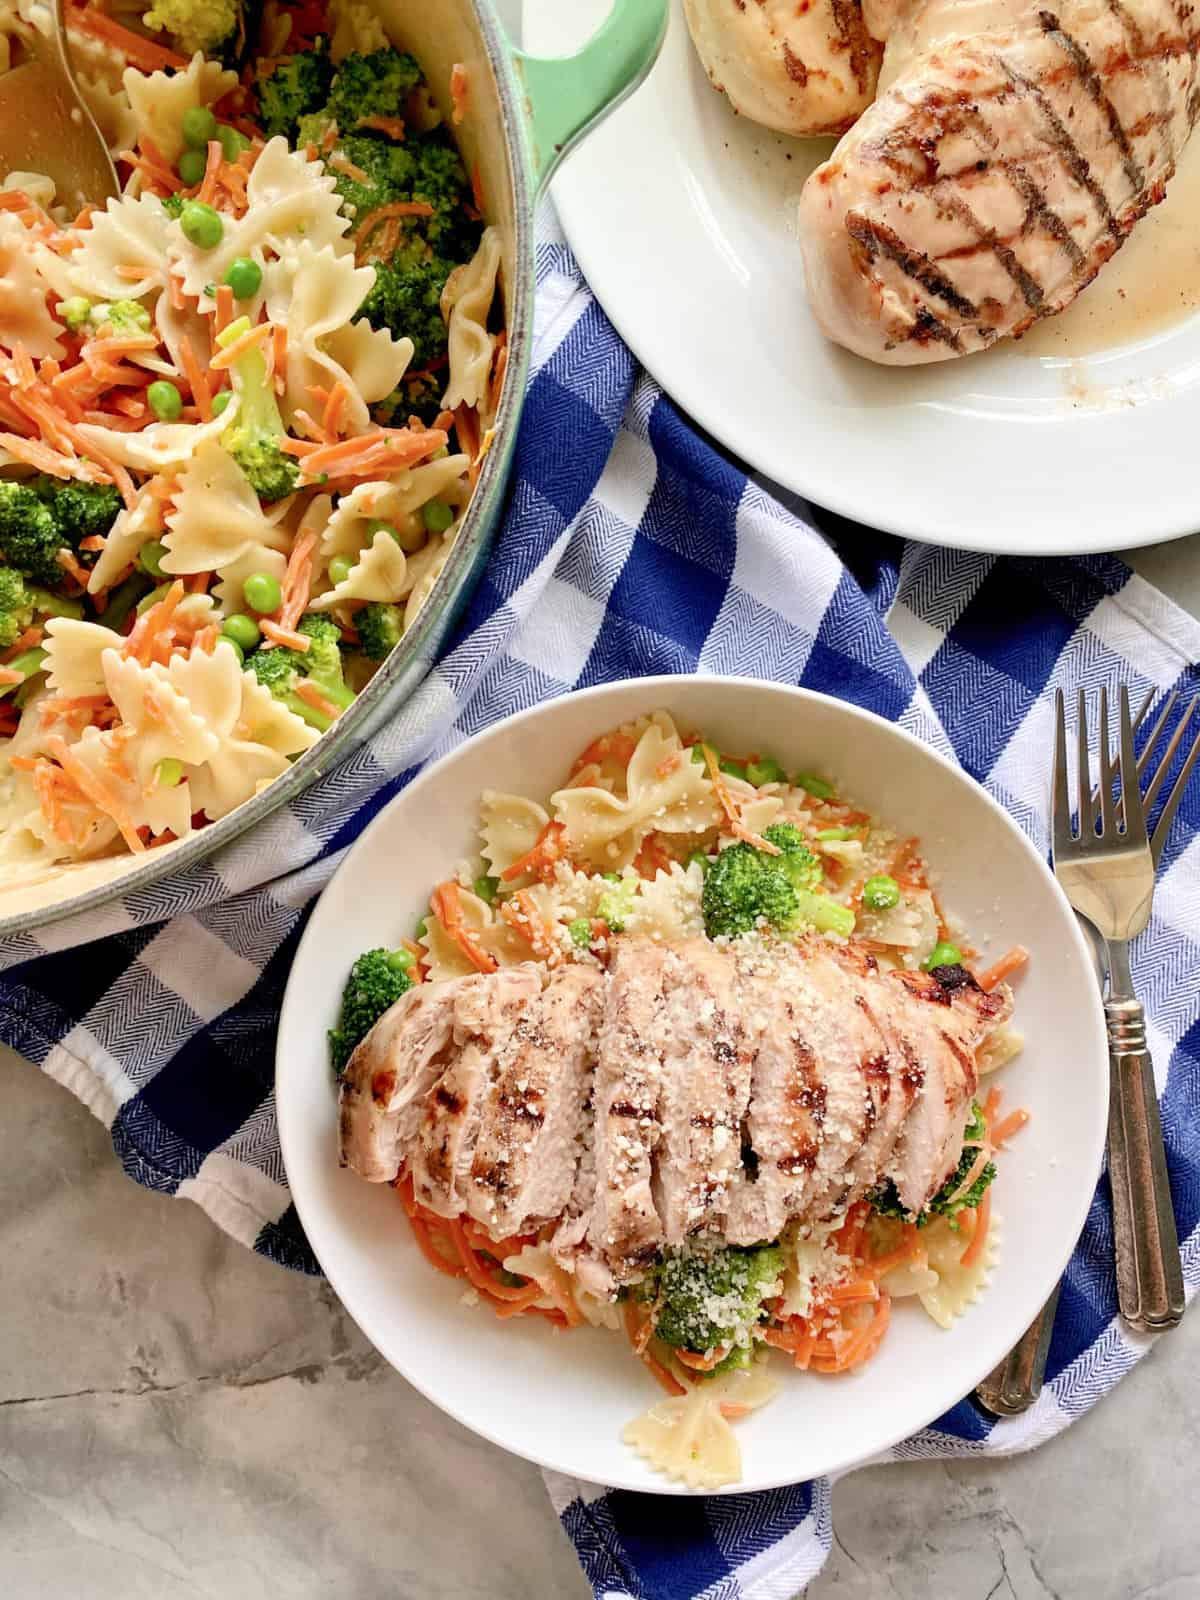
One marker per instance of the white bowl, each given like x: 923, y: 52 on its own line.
x: 562, y: 1399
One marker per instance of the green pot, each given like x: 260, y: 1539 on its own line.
x: 524, y: 115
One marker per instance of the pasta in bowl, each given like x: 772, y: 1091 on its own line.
x: 723, y: 1106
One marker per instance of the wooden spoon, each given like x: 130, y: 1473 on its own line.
x: 45, y: 127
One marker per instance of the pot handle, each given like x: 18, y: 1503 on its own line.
x: 567, y: 95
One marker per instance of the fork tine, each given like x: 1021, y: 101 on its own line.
x: 1087, y: 798
x: 1180, y: 784
x: 1164, y: 766
x: 1155, y: 733
x: 1132, y: 814
x: 1062, y: 789
x: 1108, y: 804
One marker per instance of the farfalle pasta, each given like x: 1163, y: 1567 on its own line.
x: 243, y: 405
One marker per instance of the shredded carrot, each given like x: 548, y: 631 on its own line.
x: 149, y: 627
x: 334, y: 406
x: 297, y: 580
x: 339, y: 163
x: 521, y: 913
x: 460, y: 93
x: 9, y: 676
x: 138, y: 51
x: 638, y: 1334
x: 477, y: 189
x: 224, y: 307
x: 24, y: 641
x: 394, y: 208
x: 72, y: 565
x: 94, y: 788
x: 446, y: 905
x: 497, y: 384
x: 688, y: 1358
x: 307, y: 691
x: 284, y: 636
x: 983, y: 1222
x: 249, y: 340
x: 367, y: 453
x: 197, y: 380
x: 618, y: 747
x: 547, y: 852
x: 1004, y: 1131
x: 391, y: 127
x: 1009, y: 963
x: 730, y: 807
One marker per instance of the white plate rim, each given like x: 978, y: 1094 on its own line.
x: 656, y: 688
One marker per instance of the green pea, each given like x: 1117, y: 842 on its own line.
x: 198, y: 127
x: 340, y: 568
x: 437, y: 516
x: 487, y: 889
x: 420, y: 931
x: 235, y: 647
x: 611, y: 877
x: 75, y: 311
x: 766, y: 771
x: 166, y: 402
x: 232, y: 142
x: 731, y: 769
x: 243, y: 630
x: 817, y: 787
x: 380, y: 525
x: 401, y: 960
x: 943, y: 955
x: 881, y: 892
x: 244, y: 277
x: 201, y: 225
x: 698, y: 755
x: 191, y: 167
x: 168, y: 772
x: 837, y: 833
x: 263, y: 593
x: 220, y: 401
x: 581, y: 932
x: 150, y: 558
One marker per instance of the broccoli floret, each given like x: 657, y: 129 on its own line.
x: 377, y: 980
x: 298, y: 85
x: 416, y: 395
x: 22, y: 604
x: 407, y: 301
x: 253, y: 437
x: 427, y: 169
x: 29, y: 537
x: 280, y: 670
x: 380, y: 628
x: 375, y: 85
x: 615, y: 904
x: 80, y: 510
x: 886, y: 1201
x: 121, y: 316
x: 745, y: 887
x: 705, y: 1300
x: 194, y: 24
x: 173, y: 205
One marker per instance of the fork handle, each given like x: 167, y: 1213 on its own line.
x: 1014, y: 1385
x: 1149, y: 1272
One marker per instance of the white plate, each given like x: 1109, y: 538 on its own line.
x: 562, y: 1399
x: 682, y: 216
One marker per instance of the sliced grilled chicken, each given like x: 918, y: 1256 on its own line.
x: 939, y: 1031
x: 527, y: 1150
x: 485, y: 1017
x: 806, y: 68
x: 1012, y: 148
x: 705, y: 1089
x: 625, y: 1229
x: 386, y: 1078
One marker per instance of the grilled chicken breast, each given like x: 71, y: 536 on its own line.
x: 686, y: 1088
x: 1012, y: 148
x: 801, y: 69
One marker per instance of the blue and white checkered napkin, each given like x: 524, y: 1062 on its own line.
x: 633, y: 547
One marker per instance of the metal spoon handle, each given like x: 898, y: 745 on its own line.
x: 1014, y: 1385
x: 1149, y: 1272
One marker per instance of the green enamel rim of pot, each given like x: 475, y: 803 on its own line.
x: 547, y: 104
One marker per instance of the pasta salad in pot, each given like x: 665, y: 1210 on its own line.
x: 243, y: 407
x: 688, y: 1050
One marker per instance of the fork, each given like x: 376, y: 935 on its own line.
x: 1150, y: 1284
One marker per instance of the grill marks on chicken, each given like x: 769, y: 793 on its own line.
x: 686, y: 1088
x: 1011, y: 152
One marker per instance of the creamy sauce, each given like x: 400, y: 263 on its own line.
x: 1152, y: 283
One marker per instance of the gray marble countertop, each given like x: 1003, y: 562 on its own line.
x: 181, y: 1420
